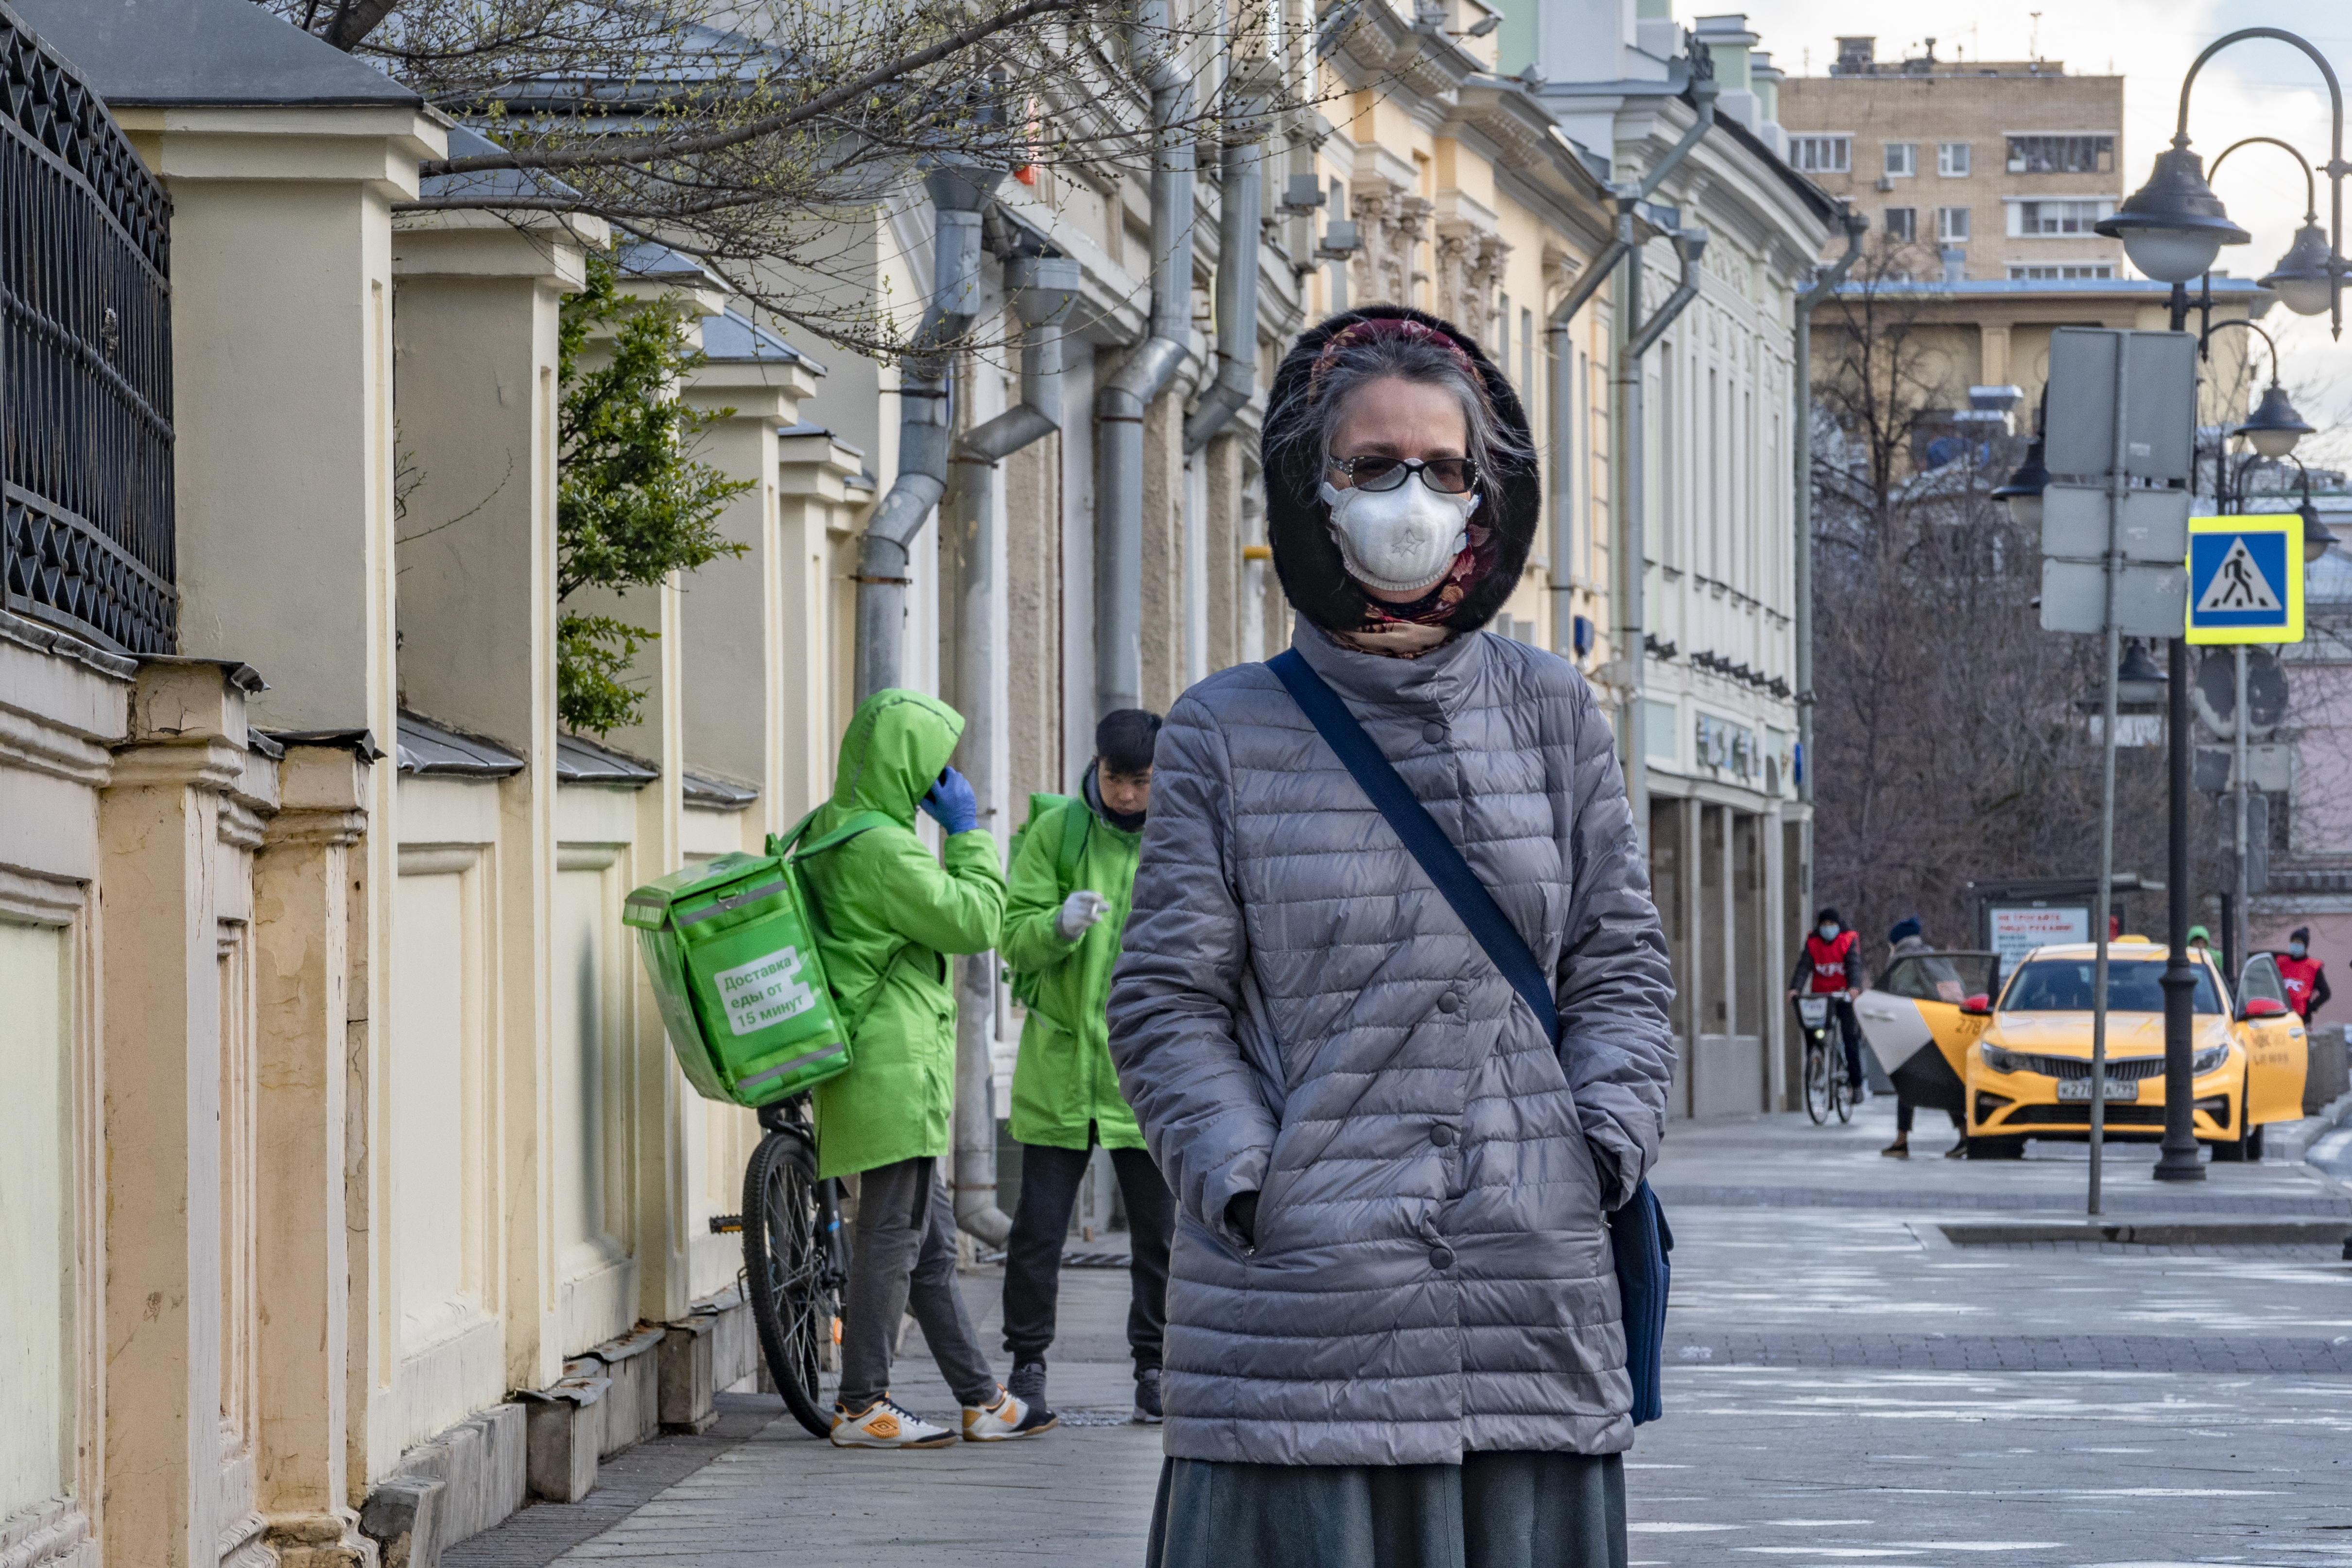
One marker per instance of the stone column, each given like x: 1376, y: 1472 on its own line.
x: 475, y: 334
x: 303, y: 952
x: 736, y: 640
x: 1223, y: 457
x: 1163, y: 551
x: 159, y: 831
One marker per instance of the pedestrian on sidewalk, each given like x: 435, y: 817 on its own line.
x: 1830, y: 965
x: 1907, y: 941
x: 1073, y: 875
x: 1392, y: 1314
x: 888, y: 913
x: 2305, y: 977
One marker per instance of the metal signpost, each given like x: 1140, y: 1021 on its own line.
x: 2122, y: 422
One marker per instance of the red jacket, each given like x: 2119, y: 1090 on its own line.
x: 2306, y: 983
x: 1830, y: 965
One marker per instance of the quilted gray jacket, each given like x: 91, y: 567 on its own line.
x: 1299, y: 1013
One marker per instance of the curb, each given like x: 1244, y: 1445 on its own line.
x: 2293, y: 1146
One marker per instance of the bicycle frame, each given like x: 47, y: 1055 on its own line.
x: 788, y: 1119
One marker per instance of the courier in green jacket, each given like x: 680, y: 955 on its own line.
x: 889, y: 913
x: 1071, y: 880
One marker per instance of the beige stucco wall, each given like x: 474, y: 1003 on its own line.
x: 39, y: 1381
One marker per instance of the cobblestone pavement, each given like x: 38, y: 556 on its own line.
x: 1845, y: 1386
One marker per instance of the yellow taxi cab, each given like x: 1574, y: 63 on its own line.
x: 2025, y: 1068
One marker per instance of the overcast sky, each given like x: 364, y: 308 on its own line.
x: 2259, y: 87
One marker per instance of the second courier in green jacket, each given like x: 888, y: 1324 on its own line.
x: 1065, y: 1079
x: 890, y: 914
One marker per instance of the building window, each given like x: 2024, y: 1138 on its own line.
x: 1902, y: 159
x: 1952, y: 159
x: 1526, y: 348
x: 2058, y: 218
x: 1903, y: 224
x: 2062, y: 155
x: 1821, y: 154
x: 1952, y: 225
x: 1503, y: 341
x: 2060, y: 273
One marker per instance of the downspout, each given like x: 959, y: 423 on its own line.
x: 1119, y: 406
x: 1633, y: 546
x: 1238, y: 212
x: 958, y: 193
x: 1628, y: 556
x: 1856, y: 225
x: 1042, y: 290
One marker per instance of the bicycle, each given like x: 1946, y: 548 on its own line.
x: 795, y: 1260
x: 1826, y: 1089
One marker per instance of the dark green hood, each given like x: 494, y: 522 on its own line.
x: 897, y: 743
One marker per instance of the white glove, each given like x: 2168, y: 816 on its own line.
x: 1080, y: 912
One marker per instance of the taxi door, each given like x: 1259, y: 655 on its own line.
x: 1913, y: 1020
x: 2278, y: 1053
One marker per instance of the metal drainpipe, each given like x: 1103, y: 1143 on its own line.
x: 1042, y: 290
x: 1631, y: 571
x: 1238, y: 215
x: 1563, y: 440
x: 1856, y: 225
x: 957, y: 192
x: 1119, y: 406
x: 1628, y: 556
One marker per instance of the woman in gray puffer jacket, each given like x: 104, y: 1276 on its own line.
x: 1393, y: 1331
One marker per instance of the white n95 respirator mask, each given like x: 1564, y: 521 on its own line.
x: 1400, y: 540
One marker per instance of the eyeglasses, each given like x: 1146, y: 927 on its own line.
x: 1446, y: 475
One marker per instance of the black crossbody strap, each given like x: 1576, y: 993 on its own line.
x: 1444, y: 864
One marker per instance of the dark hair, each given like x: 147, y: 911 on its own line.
x: 1308, y: 389
x: 1125, y: 741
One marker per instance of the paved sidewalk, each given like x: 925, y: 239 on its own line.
x: 1846, y: 1385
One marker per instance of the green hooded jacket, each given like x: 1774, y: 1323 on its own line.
x: 888, y: 913
x: 1064, y: 1080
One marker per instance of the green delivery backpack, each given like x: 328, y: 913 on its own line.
x: 731, y: 946
x: 1075, y: 815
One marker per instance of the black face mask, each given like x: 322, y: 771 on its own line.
x: 1124, y: 821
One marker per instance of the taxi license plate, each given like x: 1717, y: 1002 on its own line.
x: 2119, y: 1089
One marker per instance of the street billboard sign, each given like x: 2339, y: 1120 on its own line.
x: 2017, y: 929
x: 2245, y: 579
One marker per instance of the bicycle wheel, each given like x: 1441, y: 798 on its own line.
x: 1842, y: 1090
x: 1817, y: 1084
x: 793, y: 1297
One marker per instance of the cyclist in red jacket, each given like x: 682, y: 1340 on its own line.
x: 2306, y: 979
x: 1830, y: 966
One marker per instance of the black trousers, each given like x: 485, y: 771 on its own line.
x: 1903, y: 1109
x: 1033, y: 1257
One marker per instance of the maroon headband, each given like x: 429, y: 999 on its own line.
x: 1377, y: 326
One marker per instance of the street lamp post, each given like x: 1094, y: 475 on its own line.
x: 2172, y: 228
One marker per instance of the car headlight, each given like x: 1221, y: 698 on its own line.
x: 2207, y: 1061
x: 2001, y: 1061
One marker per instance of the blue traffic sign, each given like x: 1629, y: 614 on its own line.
x: 2245, y: 579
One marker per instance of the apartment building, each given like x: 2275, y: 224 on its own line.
x: 1991, y: 169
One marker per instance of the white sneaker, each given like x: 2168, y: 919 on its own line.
x: 887, y: 1424
x: 1008, y: 1417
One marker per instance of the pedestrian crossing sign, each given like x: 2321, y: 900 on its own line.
x: 2245, y: 579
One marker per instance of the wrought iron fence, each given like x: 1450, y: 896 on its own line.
x: 86, y: 538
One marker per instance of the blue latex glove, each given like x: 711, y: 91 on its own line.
x: 951, y: 803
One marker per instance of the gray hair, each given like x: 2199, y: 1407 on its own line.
x: 1306, y: 429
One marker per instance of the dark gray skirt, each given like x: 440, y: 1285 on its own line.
x: 1492, y: 1510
